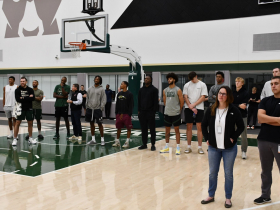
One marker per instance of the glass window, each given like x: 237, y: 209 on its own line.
x: 3, y: 82
x: 252, y: 80
x: 48, y: 83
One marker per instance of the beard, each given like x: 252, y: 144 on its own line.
x: 171, y: 83
x: 35, y: 86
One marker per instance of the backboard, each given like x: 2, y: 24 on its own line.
x: 91, y: 30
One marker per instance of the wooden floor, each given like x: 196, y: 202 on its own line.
x: 134, y: 179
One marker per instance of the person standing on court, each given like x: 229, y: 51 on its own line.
x: 241, y: 98
x: 37, y: 108
x: 222, y: 118
x: 76, y: 112
x: 96, y: 101
x: 266, y: 91
x: 194, y: 95
x: 109, y: 94
x: 253, y: 107
x: 124, y: 107
x: 214, y: 89
x: 25, y: 96
x: 9, y: 103
x: 84, y: 94
x: 147, y: 108
x: 174, y: 102
x: 61, y: 92
x: 269, y: 138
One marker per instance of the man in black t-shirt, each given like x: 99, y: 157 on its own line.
x: 84, y: 93
x: 124, y: 107
x: 253, y: 108
x: 269, y: 138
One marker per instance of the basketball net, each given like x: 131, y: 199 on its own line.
x: 76, y: 48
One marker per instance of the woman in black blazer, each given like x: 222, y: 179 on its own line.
x: 225, y: 125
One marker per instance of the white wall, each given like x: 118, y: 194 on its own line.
x: 211, y: 41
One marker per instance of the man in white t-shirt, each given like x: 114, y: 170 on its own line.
x: 9, y: 103
x: 194, y: 94
x: 266, y: 91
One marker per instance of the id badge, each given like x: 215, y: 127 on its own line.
x: 219, y: 129
x: 278, y: 148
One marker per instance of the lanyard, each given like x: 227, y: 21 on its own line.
x: 220, y: 117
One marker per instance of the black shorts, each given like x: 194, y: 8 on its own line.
x: 37, y: 114
x: 94, y: 116
x: 61, y: 111
x: 189, y: 116
x: 172, y: 120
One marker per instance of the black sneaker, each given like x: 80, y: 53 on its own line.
x: 40, y: 136
x: 153, y: 148
x: 27, y: 137
x: 142, y: 147
x: 262, y: 200
x: 56, y: 136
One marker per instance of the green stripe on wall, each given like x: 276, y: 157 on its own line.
x: 151, y: 68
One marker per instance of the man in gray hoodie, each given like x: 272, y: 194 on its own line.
x: 95, y: 103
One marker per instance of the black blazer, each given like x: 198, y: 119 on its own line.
x: 233, y: 118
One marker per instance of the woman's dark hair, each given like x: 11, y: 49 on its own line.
x: 76, y: 86
x: 172, y: 75
x: 228, y: 101
x: 100, y: 78
x: 192, y: 75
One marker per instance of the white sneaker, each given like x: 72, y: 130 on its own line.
x: 9, y: 136
x: 34, y: 141
x: 244, y: 155
x: 30, y: 141
x: 126, y: 145
x: 92, y: 142
x: 116, y: 144
x: 72, y: 138
x: 102, y: 143
x: 79, y: 138
x: 14, y: 143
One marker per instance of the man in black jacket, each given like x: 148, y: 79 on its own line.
x: 241, y: 98
x: 147, y: 108
x: 124, y: 107
x: 25, y: 96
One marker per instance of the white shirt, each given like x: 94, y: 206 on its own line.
x: 266, y: 91
x: 79, y: 99
x: 194, y: 91
x: 220, y: 137
x: 10, y: 95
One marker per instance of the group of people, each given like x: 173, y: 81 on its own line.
x: 220, y: 125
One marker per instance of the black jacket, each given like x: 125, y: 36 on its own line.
x: 241, y: 97
x: 148, y: 99
x: 125, y: 103
x: 233, y: 118
x: 26, y: 101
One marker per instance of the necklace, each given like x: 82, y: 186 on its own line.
x: 220, y: 117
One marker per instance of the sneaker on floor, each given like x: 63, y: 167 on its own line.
x: 126, y: 145
x: 253, y: 127
x: 248, y: 126
x: 56, y: 136
x: 188, y: 150
x: 34, y: 141
x: 116, y: 144
x: 200, y: 151
x: 102, y: 143
x: 92, y: 142
x: 40, y: 136
x: 244, y: 156
x: 165, y: 150
x: 14, y: 143
x: 142, y: 147
x: 27, y: 137
x: 80, y: 138
x: 73, y: 138
x: 153, y: 148
x: 178, y: 151
x: 9, y: 136
x: 262, y: 200
x: 31, y: 141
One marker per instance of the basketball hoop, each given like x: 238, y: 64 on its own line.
x: 76, y: 48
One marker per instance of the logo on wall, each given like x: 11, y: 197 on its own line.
x: 30, y: 17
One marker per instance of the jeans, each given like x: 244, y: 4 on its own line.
x: 215, y: 156
x: 76, y: 122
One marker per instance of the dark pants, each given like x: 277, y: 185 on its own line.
x: 76, y: 122
x: 108, y: 109
x: 268, y: 151
x: 147, y: 120
x: 252, y: 110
